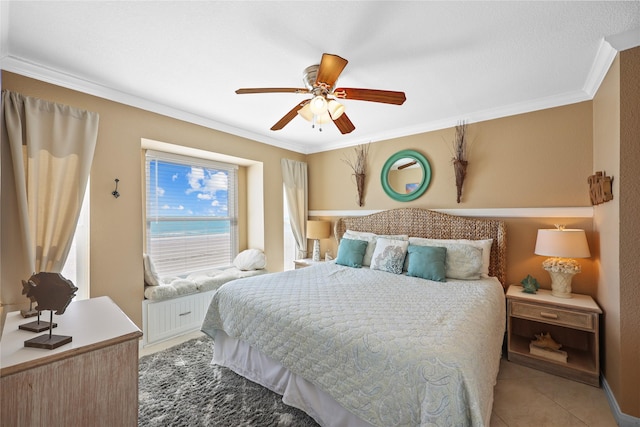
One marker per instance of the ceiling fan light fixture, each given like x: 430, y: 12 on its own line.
x: 305, y: 113
x: 323, y: 118
x: 335, y: 109
x: 318, y: 105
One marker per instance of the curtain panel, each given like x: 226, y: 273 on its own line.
x: 52, y: 147
x: 294, y: 176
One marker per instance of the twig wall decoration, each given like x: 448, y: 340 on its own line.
x: 359, y: 167
x: 460, y: 157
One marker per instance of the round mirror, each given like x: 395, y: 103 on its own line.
x: 406, y: 175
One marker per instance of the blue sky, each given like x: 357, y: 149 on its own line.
x: 187, y: 191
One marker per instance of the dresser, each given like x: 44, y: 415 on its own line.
x: 572, y: 322
x: 93, y: 380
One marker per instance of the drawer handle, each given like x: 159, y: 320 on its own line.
x: 548, y: 315
x: 184, y: 314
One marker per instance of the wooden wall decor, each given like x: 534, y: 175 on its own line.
x: 459, y: 159
x: 359, y: 167
x: 600, y: 188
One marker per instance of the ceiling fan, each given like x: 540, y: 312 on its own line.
x: 323, y: 107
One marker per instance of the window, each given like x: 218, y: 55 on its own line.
x: 76, y: 267
x: 191, y: 221
x: 289, y: 240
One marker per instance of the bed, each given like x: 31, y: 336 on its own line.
x: 374, y: 345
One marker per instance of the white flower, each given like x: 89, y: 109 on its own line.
x: 562, y: 265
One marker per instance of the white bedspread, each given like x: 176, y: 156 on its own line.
x: 393, y: 350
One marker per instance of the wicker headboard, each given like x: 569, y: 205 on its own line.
x: 418, y: 222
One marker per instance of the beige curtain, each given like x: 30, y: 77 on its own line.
x: 52, y: 148
x: 294, y: 175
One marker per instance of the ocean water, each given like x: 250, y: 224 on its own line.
x: 187, y: 228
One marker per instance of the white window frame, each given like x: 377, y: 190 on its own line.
x: 183, y: 258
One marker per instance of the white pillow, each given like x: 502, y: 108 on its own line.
x: 463, y: 261
x: 250, y: 259
x: 485, y: 245
x: 371, y: 239
x: 389, y: 255
x: 150, y: 276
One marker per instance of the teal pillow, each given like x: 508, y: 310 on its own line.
x: 427, y: 262
x: 351, y: 252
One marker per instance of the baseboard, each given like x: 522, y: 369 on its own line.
x: 622, y: 419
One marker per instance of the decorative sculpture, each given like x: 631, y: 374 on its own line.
x: 26, y: 290
x: 359, y: 167
x: 530, y: 284
x: 460, y: 158
x: 600, y: 188
x: 543, y: 340
x: 39, y: 325
x: 52, y: 292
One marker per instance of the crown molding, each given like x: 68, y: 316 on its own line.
x: 623, y: 41
x: 601, y: 64
x: 474, y: 117
x: 58, y: 78
x: 48, y: 75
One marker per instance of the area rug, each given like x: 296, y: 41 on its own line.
x: 180, y: 387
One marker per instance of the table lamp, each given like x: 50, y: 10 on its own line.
x: 562, y: 244
x: 317, y: 230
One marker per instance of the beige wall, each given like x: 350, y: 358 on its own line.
x: 117, y: 224
x: 539, y: 159
x: 606, y: 155
x: 616, y: 108
x: 629, y: 392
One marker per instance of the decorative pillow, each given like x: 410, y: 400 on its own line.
x: 150, y: 276
x: 485, y: 245
x: 351, y: 252
x: 428, y: 262
x: 250, y: 259
x: 389, y: 255
x: 370, y: 238
x: 463, y: 261
x: 184, y: 286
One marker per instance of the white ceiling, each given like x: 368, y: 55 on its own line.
x: 454, y: 60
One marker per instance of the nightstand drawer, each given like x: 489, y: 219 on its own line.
x: 553, y: 315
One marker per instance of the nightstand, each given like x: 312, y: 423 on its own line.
x: 307, y: 262
x: 572, y: 322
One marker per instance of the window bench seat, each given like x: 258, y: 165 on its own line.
x: 179, y: 307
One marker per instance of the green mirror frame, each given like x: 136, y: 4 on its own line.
x: 426, y: 175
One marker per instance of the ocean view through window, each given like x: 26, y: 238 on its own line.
x: 191, y: 206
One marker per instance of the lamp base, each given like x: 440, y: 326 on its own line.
x: 316, y: 249
x: 561, y: 284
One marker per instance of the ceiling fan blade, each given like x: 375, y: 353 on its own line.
x: 272, y: 90
x: 372, y: 95
x: 289, y: 116
x: 343, y: 124
x: 330, y: 68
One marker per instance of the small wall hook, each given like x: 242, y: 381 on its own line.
x: 115, y: 192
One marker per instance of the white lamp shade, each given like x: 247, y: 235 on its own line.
x: 335, y: 109
x: 323, y: 118
x: 318, y: 229
x: 318, y: 105
x: 305, y: 112
x: 566, y: 243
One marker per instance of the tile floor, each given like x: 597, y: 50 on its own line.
x: 523, y: 397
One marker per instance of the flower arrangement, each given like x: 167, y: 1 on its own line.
x: 562, y: 265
